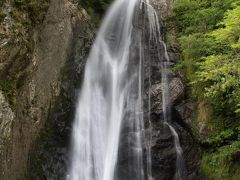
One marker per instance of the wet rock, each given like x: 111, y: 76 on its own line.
x: 6, y: 120
x: 185, y: 109
x: 174, y: 56
x: 163, y: 7
x: 6, y: 117
x: 176, y: 88
x: 162, y: 144
x: 163, y: 151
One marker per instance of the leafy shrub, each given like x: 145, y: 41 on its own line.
x: 2, y: 16
x: 209, y: 35
x: 98, y: 6
x: 223, y: 164
x: 221, y: 139
x: 1, y: 2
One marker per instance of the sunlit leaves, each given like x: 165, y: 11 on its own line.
x: 195, y: 16
x: 231, y: 30
x: 209, y: 35
x: 221, y: 78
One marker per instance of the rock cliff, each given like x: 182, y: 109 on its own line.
x: 38, y: 83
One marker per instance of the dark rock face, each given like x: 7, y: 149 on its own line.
x: 163, y: 150
x: 37, y: 74
x: 162, y: 141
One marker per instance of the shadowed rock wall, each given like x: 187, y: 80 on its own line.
x: 38, y: 90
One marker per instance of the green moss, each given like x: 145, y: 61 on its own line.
x: 16, y: 72
x: 17, y: 16
x: 2, y: 16
x: 36, y: 157
x: 65, y: 76
x: 9, y: 90
x: 221, y: 158
x: 35, y: 9
x: 1, y: 2
x: 223, y: 138
x: 26, y: 14
x: 95, y: 8
x: 98, y: 6
x: 222, y: 164
x: 19, y: 3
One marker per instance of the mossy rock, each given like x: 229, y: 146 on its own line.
x: 1, y: 2
x: 36, y: 10
x: 2, y: 16
x: 8, y: 87
x: 221, y: 139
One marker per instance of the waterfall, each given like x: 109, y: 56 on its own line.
x: 155, y: 35
x: 111, y: 94
x: 166, y: 106
x: 180, y: 164
x: 111, y: 103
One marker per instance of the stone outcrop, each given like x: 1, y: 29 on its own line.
x: 163, y: 150
x: 163, y: 7
x: 52, y: 146
x: 6, y: 119
x: 38, y: 90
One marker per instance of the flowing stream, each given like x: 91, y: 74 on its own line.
x: 111, y: 98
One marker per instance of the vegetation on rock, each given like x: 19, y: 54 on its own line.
x: 18, y: 18
x: 209, y: 36
x: 95, y: 6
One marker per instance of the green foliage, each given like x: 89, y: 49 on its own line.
x: 209, y: 35
x: 220, y: 77
x: 24, y: 15
x: 2, y: 16
x: 222, y: 164
x: 8, y: 88
x: 223, y: 138
x: 97, y: 6
x: 1, y: 2
x: 230, y: 33
x: 194, y: 16
x: 221, y: 160
x: 36, y: 9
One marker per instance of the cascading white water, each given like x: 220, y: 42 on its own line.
x: 112, y: 95
x: 107, y: 96
x: 155, y: 34
x: 180, y: 164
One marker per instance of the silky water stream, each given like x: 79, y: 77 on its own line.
x: 111, y: 101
